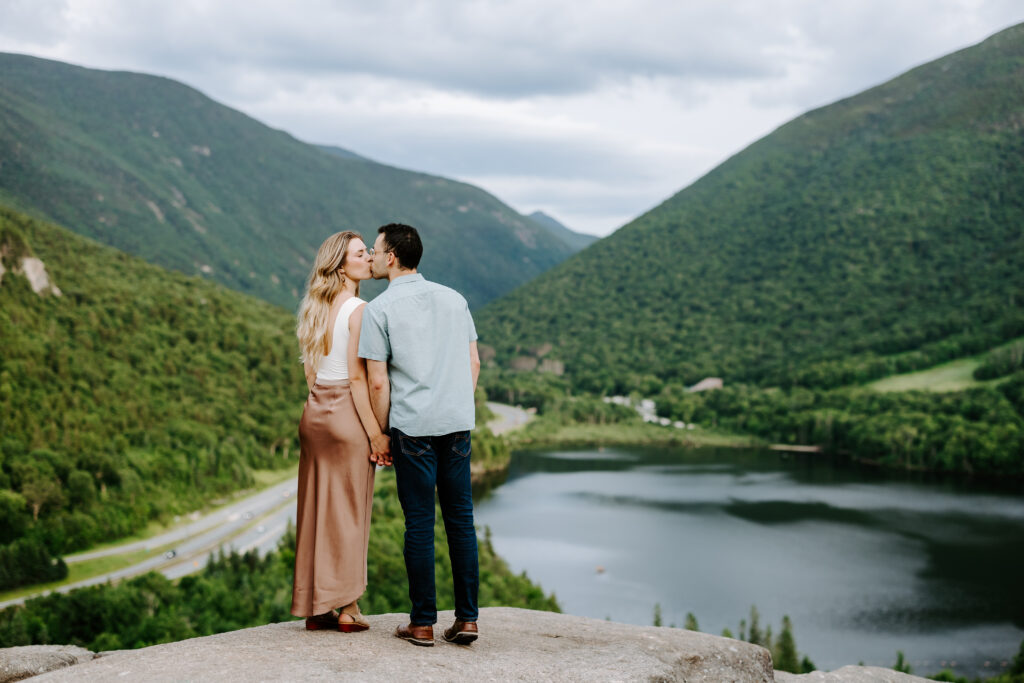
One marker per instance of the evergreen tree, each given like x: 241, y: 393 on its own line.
x: 785, y: 656
x: 691, y: 622
x: 755, y: 635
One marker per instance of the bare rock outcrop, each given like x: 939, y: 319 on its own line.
x: 514, y: 645
x: 16, y: 257
x: 35, y: 271
x: 19, y: 663
x: 850, y: 674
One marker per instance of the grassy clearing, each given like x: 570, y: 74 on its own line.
x: 955, y: 375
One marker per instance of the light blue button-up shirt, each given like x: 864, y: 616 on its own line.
x: 423, y: 331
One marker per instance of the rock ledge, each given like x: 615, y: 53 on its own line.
x: 19, y: 663
x: 514, y: 644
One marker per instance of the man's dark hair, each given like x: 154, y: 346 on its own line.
x: 404, y: 242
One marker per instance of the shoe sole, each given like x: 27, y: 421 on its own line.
x: 317, y: 627
x: 417, y: 641
x: 351, y: 627
x: 462, y: 638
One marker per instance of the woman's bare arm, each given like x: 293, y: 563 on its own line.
x: 379, y: 442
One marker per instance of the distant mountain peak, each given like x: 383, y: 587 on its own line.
x: 539, y: 215
x: 576, y: 240
x: 342, y: 152
x: 157, y: 169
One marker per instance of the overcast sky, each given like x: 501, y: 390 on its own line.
x: 592, y: 111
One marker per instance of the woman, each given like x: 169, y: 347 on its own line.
x: 336, y: 432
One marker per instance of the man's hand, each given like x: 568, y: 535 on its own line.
x: 380, y: 450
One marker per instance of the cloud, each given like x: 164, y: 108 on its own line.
x: 32, y: 22
x: 510, y: 48
x: 591, y: 111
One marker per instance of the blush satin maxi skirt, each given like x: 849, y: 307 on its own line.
x: 334, y: 501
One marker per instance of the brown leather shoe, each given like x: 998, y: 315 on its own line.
x: 461, y: 632
x: 417, y: 635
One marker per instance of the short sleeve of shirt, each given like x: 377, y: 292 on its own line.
x: 373, y: 337
x: 470, y: 326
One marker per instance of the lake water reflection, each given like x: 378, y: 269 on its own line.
x: 864, y: 563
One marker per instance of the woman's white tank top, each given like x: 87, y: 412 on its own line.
x: 334, y: 366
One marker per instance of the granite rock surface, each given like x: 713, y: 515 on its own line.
x: 19, y: 663
x: 850, y: 674
x: 514, y: 644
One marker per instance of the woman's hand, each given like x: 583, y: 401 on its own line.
x: 380, y: 450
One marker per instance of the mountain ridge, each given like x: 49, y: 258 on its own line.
x: 880, y: 225
x: 576, y: 240
x: 156, y: 168
x: 136, y: 394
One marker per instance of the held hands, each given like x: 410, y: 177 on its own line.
x: 380, y: 450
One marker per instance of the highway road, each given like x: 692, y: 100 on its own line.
x: 257, y: 521
x: 235, y: 514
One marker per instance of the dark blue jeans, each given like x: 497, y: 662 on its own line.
x: 421, y: 464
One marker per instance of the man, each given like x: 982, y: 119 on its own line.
x: 419, y: 343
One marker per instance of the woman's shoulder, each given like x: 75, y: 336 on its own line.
x: 350, y: 306
x: 349, y: 301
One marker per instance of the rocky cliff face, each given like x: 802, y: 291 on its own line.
x: 514, y: 645
x: 17, y: 258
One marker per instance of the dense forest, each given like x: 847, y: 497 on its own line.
x: 137, y: 394
x: 159, y: 170
x: 876, y: 235
x: 977, y: 431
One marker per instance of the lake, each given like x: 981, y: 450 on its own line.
x: 865, y: 563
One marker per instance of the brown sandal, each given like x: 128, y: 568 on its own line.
x: 358, y: 623
x: 327, y: 620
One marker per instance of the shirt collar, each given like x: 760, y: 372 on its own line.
x: 405, y: 279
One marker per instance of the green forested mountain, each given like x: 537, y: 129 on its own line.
x: 131, y: 393
x: 341, y: 152
x: 159, y: 170
x: 134, y: 394
x: 881, y: 233
x: 576, y: 240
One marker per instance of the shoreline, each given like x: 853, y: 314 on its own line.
x: 541, y: 434
x: 580, y: 435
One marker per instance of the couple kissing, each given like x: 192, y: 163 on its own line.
x: 391, y: 383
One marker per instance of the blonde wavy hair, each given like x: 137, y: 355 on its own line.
x: 325, y: 283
